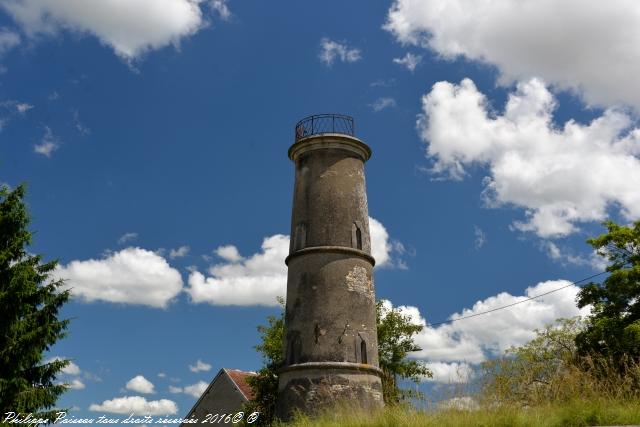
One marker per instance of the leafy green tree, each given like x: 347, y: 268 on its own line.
x: 613, y: 329
x: 265, y: 384
x: 396, y: 334
x: 539, y: 371
x: 395, y: 342
x: 29, y: 326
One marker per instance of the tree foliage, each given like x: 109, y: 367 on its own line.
x: 265, y: 384
x: 537, y: 371
x: 613, y: 329
x: 29, y: 326
x: 396, y: 334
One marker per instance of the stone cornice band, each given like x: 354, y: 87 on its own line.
x: 331, y: 249
x: 330, y: 140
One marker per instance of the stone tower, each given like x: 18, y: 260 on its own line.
x: 331, y: 345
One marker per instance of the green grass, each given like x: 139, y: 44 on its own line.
x: 574, y: 413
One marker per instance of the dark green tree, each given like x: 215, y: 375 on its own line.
x: 396, y: 334
x: 29, y: 326
x: 613, y: 329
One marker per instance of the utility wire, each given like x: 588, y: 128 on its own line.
x: 516, y: 303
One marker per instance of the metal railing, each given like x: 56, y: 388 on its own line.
x: 324, y: 123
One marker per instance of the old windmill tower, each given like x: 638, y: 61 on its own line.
x: 331, y: 346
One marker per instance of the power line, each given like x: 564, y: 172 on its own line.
x: 516, y: 303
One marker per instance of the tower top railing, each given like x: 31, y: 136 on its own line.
x: 324, y: 123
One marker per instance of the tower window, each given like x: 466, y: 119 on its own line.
x: 363, y: 351
x: 356, y: 235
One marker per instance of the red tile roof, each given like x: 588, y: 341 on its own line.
x: 240, y: 380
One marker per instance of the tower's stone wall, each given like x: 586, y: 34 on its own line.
x: 331, y: 348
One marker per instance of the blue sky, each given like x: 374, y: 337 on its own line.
x: 153, y: 138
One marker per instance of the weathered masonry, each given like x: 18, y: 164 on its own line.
x: 331, y: 347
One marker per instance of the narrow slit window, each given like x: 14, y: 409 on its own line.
x: 358, y: 238
x: 363, y: 351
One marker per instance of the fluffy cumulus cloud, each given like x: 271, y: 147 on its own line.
x: 387, y: 252
x: 331, y: 51
x: 136, y: 405
x: 260, y: 278
x: 561, y: 176
x: 140, y: 384
x: 200, y: 366
x: 229, y: 253
x: 589, y: 46
x: 451, y: 349
x: 130, y: 276
x: 194, y: 390
x: 129, y: 27
x: 71, y: 370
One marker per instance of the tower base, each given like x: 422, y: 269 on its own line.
x: 314, y: 387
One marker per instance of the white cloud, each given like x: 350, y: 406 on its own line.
x: 331, y: 50
x: 23, y: 107
x: 8, y: 40
x: 451, y: 372
x: 127, y: 237
x: 382, y: 103
x: 130, y: 27
x: 567, y: 256
x: 260, y: 278
x: 48, y: 144
x: 229, y: 253
x: 221, y: 7
x: 386, y: 251
x: 200, y: 366
x: 9, y: 109
x: 130, y: 276
x: 76, y: 384
x: 480, y: 237
x: 560, y: 176
x: 80, y: 127
x: 140, y: 384
x: 194, y: 390
x: 588, y: 46
x: 180, y: 252
x: 162, y: 375
x: 71, y: 369
x: 137, y: 405
x: 410, y: 61
x: 450, y: 349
